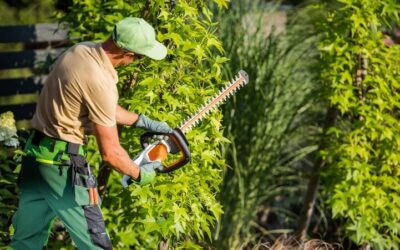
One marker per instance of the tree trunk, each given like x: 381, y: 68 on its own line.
x: 163, y: 245
x: 365, y: 246
x: 313, y: 184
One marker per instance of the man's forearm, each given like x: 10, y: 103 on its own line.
x: 120, y: 161
x: 112, y: 152
x: 125, y: 117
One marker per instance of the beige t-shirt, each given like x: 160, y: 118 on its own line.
x: 80, y: 89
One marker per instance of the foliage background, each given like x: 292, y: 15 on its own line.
x: 244, y: 188
x: 272, y: 124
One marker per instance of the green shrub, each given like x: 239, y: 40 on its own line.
x: 180, y: 208
x: 8, y: 175
x: 361, y: 79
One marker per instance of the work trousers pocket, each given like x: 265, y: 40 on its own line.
x: 81, y: 195
x: 96, y: 227
x: 86, y: 194
x: 84, y: 183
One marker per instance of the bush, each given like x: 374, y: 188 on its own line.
x: 180, y: 208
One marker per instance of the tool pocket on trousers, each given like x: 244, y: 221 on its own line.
x: 80, y: 174
x: 81, y: 195
x: 96, y: 227
x: 86, y: 190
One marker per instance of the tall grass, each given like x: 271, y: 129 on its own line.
x: 269, y: 122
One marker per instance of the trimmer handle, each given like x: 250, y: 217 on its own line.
x: 158, y: 149
x: 176, y: 141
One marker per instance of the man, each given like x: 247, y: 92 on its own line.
x: 80, y: 95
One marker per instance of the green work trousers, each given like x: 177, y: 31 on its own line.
x: 47, y: 191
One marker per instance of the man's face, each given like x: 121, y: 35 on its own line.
x: 128, y: 57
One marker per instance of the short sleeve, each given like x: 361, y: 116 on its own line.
x: 101, y: 100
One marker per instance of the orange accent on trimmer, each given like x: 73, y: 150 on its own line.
x: 158, y: 153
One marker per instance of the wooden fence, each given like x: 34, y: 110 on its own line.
x: 26, y: 52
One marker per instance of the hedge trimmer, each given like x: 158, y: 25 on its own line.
x: 158, y: 145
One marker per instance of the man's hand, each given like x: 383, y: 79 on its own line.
x: 148, y: 173
x: 125, y: 117
x: 151, y: 125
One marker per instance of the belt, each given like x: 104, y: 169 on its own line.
x: 49, y: 150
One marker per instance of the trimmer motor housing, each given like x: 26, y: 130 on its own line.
x: 173, y: 143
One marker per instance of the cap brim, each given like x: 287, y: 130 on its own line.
x: 157, y: 52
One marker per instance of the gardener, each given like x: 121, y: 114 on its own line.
x: 80, y: 96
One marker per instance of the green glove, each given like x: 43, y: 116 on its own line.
x: 148, y: 172
x: 151, y: 125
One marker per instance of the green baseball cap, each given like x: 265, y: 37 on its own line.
x: 136, y: 35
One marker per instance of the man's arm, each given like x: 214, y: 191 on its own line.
x: 112, y: 152
x: 125, y: 117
